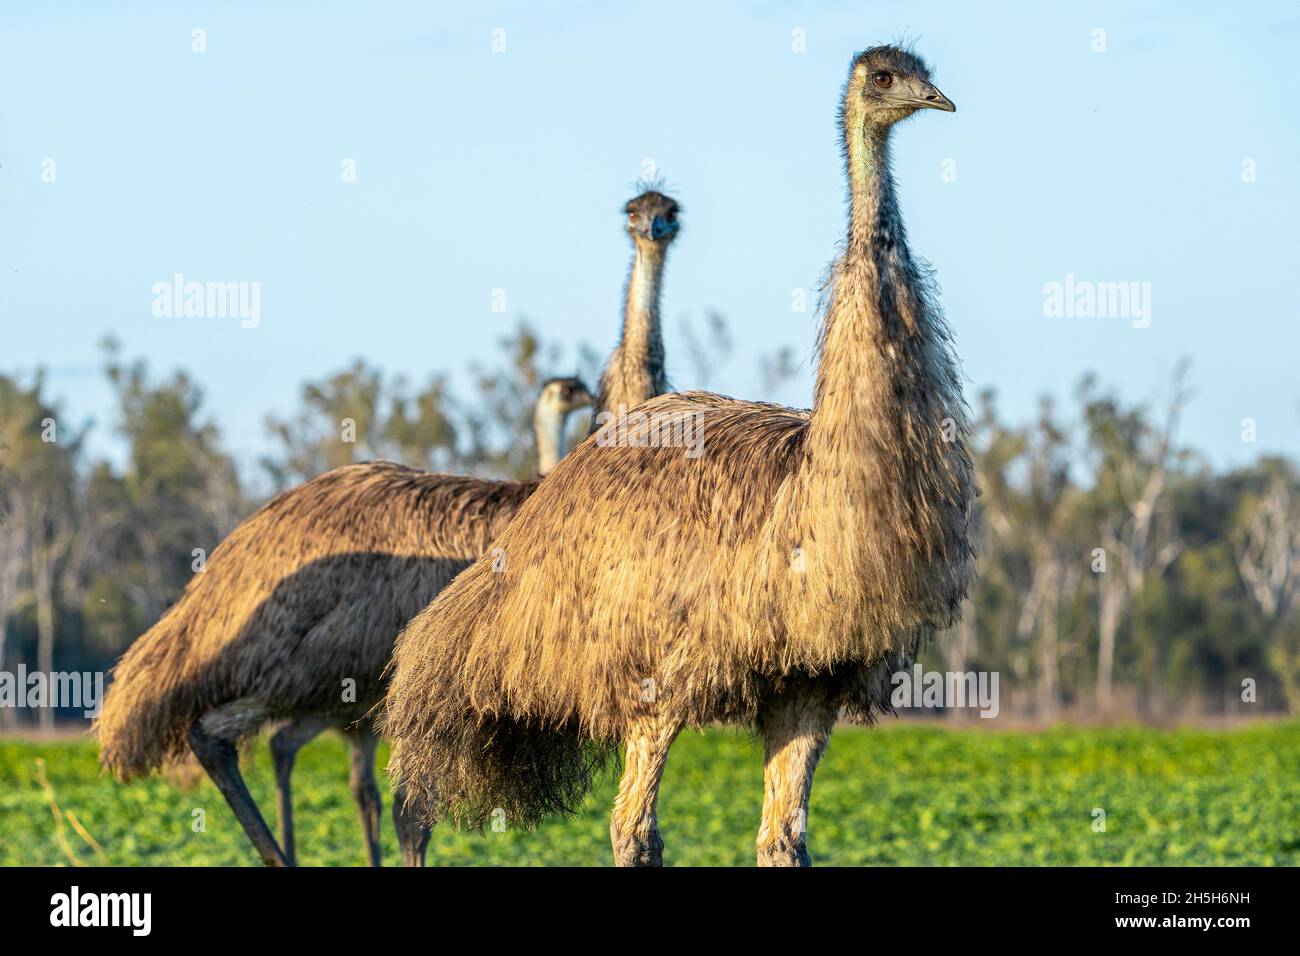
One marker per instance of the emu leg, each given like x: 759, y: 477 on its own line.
x: 220, y: 759
x: 362, y: 744
x: 634, y: 825
x: 412, y: 835
x: 285, y: 744
x: 796, y: 726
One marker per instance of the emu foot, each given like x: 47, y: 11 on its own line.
x: 784, y: 854
x: 645, y: 849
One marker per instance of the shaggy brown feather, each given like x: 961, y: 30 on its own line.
x: 307, y: 593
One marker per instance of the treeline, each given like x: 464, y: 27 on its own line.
x: 1118, y: 573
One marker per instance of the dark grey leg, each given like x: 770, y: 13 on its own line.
x: 362, y: 744
x: 220, y: 759
x: 285, y: 744
x: 412, y: 835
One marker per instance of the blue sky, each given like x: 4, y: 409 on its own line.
x: 479, y: 170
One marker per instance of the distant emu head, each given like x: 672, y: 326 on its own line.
x: 887, y: 84
x: 564, y: 395
x: 652, y: 218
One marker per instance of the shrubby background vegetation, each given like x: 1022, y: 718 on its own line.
x: 1200, y: 566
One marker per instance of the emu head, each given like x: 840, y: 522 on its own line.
x: 565, y: 395
x: 888, y: 84
x: 652, y: 218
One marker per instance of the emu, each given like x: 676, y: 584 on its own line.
x: 775, y: 581
x: 311, y: 591
x: 294, y: 619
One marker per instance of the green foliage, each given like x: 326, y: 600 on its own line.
x: 896, y: 795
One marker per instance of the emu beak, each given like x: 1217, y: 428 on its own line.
x: 928, y: 97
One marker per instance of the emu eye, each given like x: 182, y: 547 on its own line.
x: 631, y: 217
x: 883, y: 79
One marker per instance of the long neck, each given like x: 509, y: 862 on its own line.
x: 873, y: 310
x: 635, y: 372
x: 885, y: 483
x: 548, y: 426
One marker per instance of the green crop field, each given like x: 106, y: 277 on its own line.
x: 899, y: 794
